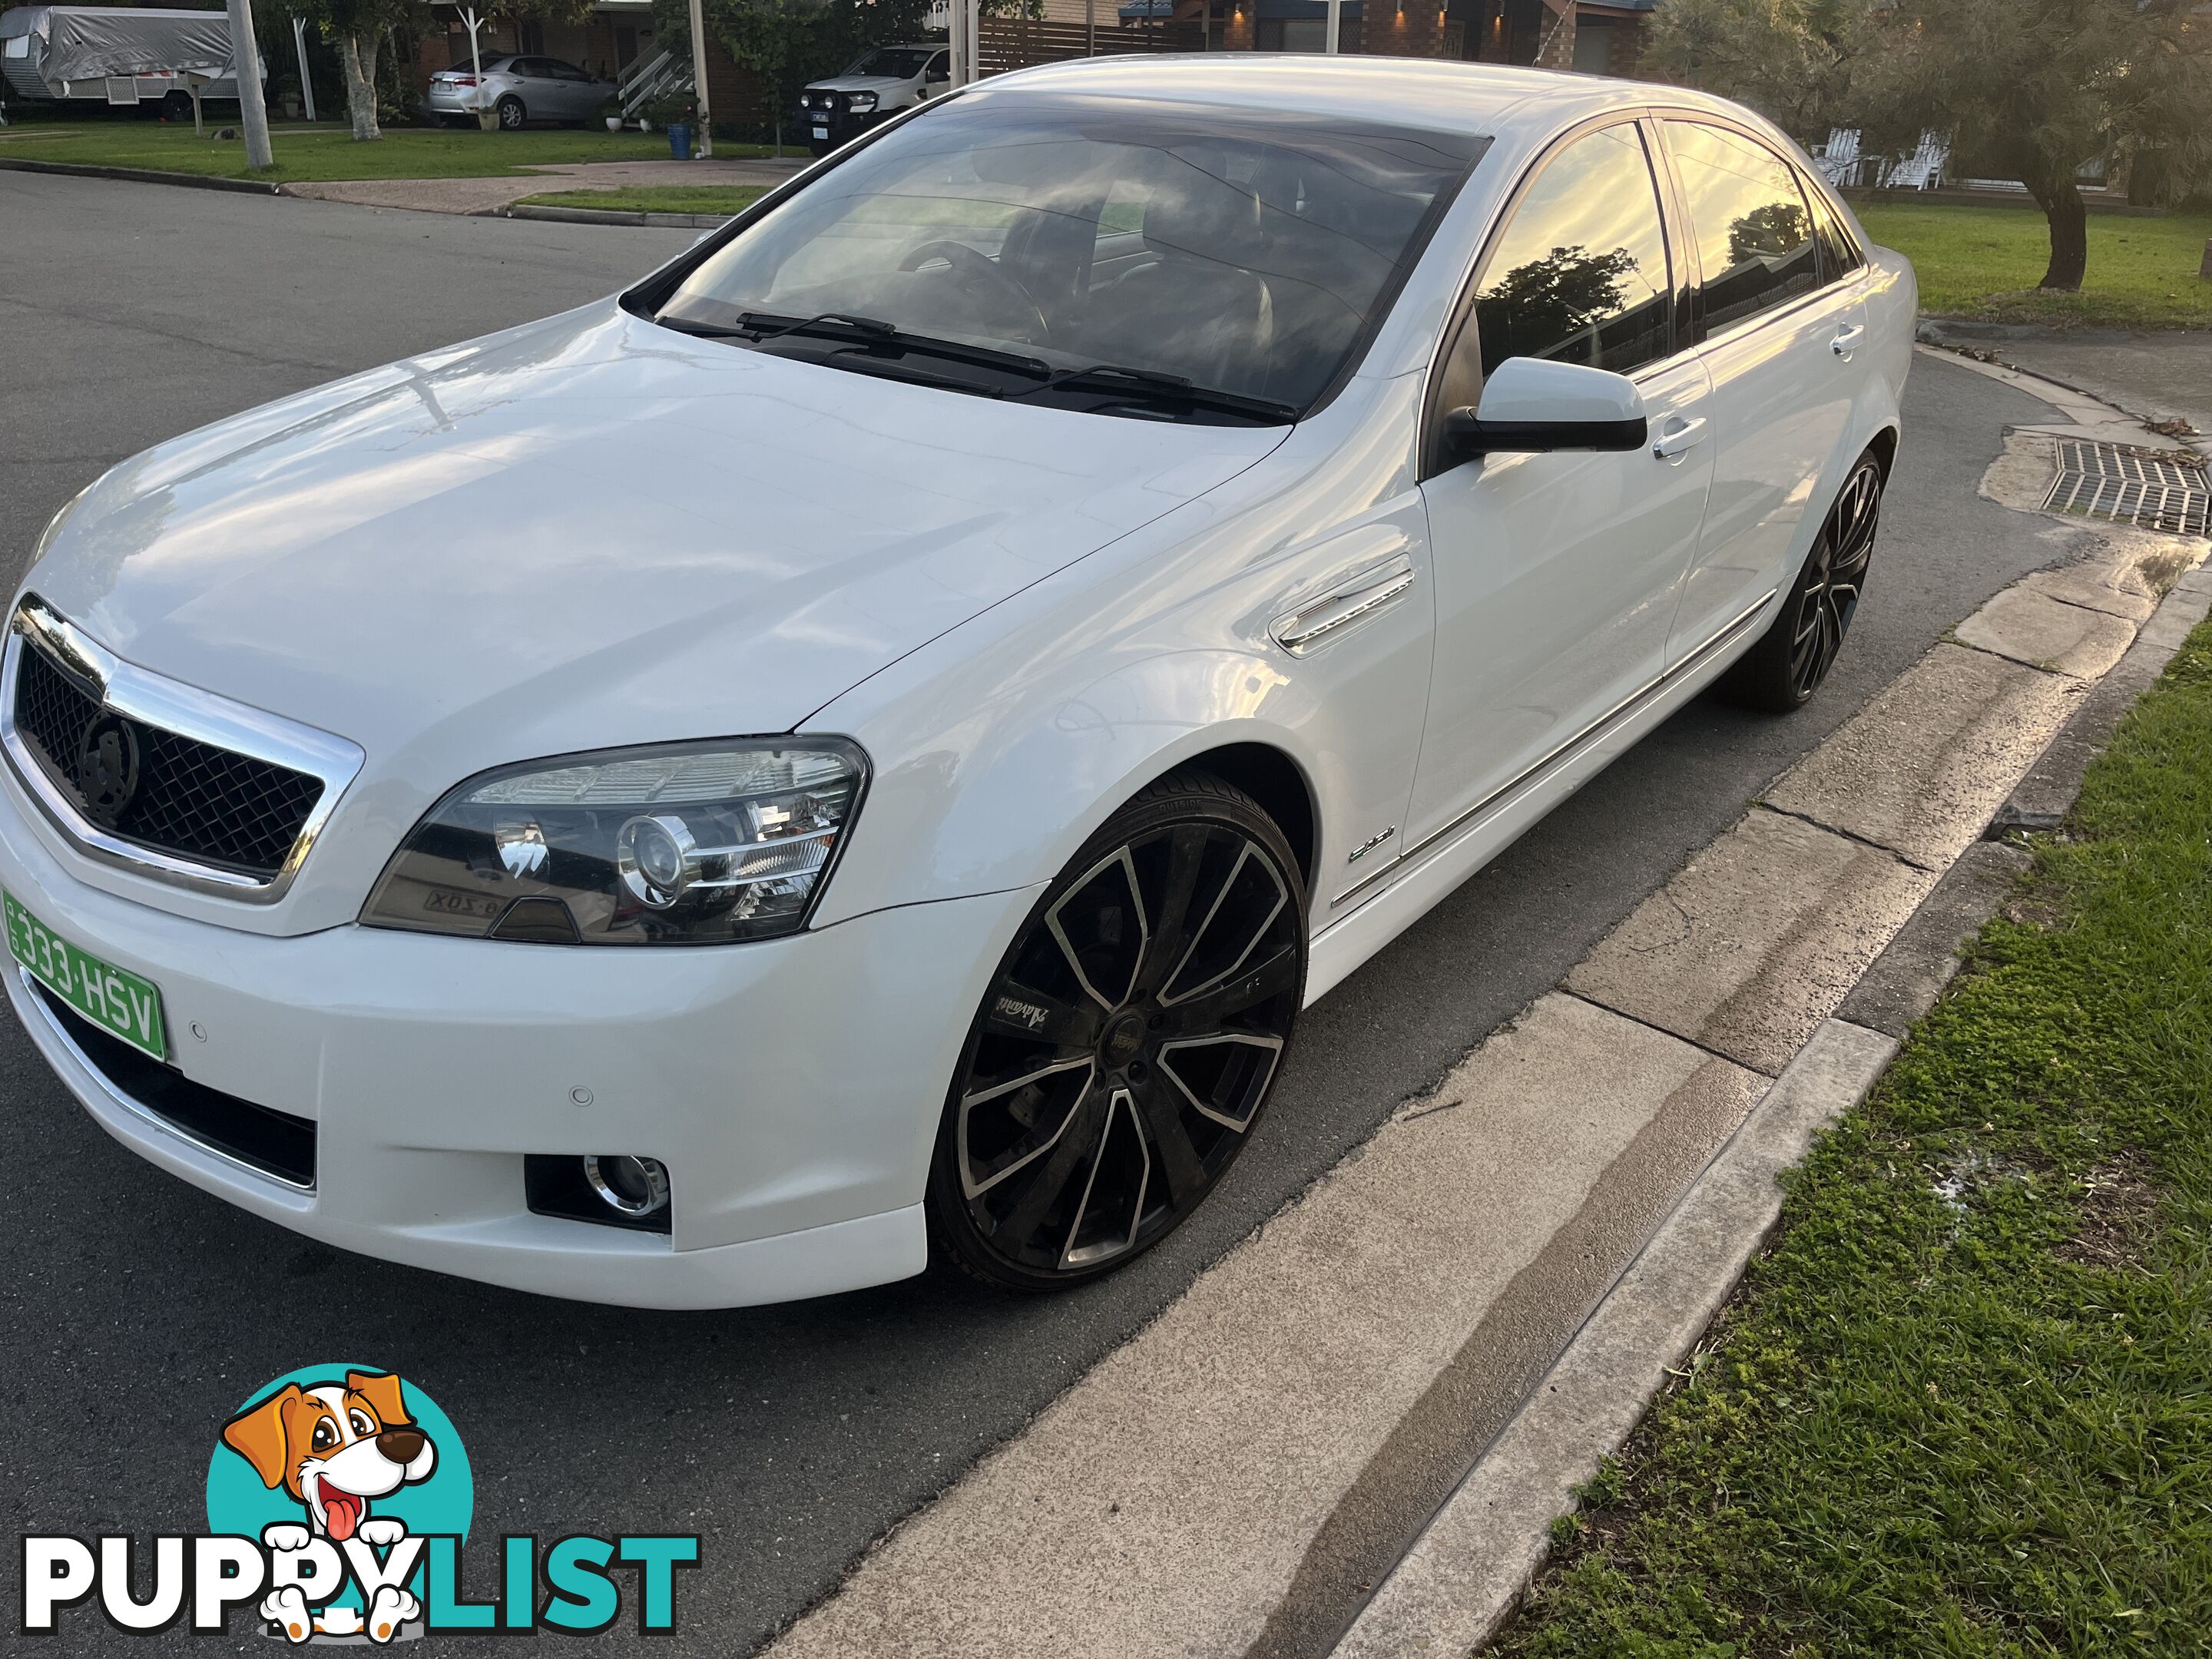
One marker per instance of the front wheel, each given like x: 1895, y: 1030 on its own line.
x: 1127, y: 1043
x: 1780, y: 674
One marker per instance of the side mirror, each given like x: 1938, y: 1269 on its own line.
x: 1532, y: 404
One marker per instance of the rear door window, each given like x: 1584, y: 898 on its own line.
x: 1750, y: 220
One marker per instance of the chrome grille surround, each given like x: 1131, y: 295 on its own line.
x: 186, y: 712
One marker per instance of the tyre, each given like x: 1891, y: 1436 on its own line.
x: 512, y: 115
x: 1780, y: 674
x: 1126, y: 1044
x: 176, y: 106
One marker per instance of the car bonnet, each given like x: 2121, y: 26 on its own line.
x: 593, y: 530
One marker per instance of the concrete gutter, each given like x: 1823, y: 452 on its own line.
x: 144, y: 176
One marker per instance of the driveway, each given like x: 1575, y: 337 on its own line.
x: 2153, y: 374
x: 138, y: 1312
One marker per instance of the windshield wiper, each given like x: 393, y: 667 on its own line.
x: 872, y: 332
x: 1158, y: 387
x: 869, y: 332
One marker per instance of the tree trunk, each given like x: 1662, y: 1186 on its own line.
x: 2069, y: 217
x: 357, y: 54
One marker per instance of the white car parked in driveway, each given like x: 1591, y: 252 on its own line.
x: 875, y: 733
x: 875, y: 86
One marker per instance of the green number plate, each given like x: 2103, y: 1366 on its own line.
x: 108, y: 996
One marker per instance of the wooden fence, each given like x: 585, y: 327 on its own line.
x: 1010, y: 43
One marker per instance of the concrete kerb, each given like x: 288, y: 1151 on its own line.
x: 143, y: 176
x: 613, y: 216
x: 1468, y: 1574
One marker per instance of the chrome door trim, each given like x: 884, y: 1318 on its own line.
x: 1501, y: 797
x: 174, y: 707
x: 29, y: 1000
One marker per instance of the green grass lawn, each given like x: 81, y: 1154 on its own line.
x: 1984, y: 262
x: 1964, y: 1405
x: 671, y: 198
x: 331, y: 152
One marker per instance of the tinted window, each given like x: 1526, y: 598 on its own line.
x: 1839, y: 250
x: 1580, y: 273
x: 1249, y: 250
x: 1753, y: 231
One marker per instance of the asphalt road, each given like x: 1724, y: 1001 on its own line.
x: 135, y: 1312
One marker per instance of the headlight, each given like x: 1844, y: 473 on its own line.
x: 695, y: 843
x: 859, y: 102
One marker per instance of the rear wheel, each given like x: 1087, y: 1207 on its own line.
x: 1781, y: 672
x: 1127, y: 1043
x: 512, y: 115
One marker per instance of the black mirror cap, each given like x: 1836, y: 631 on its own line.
x: 1467, y: 435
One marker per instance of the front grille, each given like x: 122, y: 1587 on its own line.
x: 277, y: 1143
x: 185, y: 797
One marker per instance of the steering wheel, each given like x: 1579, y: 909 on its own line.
x: 969, y: 266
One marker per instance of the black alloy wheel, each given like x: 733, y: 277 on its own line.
x: 1127, y: 1043
x: 1786, y: 667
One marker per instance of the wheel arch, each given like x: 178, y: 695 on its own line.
x: 1272, y: 779
x: 1883, y: 446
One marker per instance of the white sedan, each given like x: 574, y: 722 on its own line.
x: 864, y: 743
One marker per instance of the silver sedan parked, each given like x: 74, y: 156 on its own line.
x: 521, y: 88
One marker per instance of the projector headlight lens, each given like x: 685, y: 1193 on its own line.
x: 698, y: 843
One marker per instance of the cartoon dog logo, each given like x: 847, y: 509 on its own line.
x: 335, y: 1449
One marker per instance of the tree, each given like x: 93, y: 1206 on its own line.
x: 357, y: 29
x: 1807, y: 64
x: 2038, y: 87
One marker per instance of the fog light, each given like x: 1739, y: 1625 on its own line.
x: 635, y: 1186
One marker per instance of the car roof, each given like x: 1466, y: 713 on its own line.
x: 1494, y: 100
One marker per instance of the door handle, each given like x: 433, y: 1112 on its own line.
x: 1684, y: 436
x: 1847, y: 340
x: 1298, y: 631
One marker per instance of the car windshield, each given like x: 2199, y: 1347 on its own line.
x: 1246, y: 253
x: 900, y: 62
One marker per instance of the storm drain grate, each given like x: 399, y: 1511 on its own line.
x: 2132, y: 486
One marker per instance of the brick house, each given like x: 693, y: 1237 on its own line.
x: 1603, y: 37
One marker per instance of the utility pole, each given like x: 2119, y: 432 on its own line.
x: 246, y: 58
x: 1335, y: 23
x: 702, y: 143
x: 955, y: 29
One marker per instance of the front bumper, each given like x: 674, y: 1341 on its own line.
x: 835, y: 126
x: 793, y: 1087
